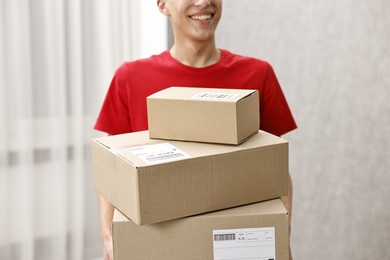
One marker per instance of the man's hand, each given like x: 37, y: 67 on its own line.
x: 106, y: 213
x: 108, y: 253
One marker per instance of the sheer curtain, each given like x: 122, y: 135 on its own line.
x: 57, y: 58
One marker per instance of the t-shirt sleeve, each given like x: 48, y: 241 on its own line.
x: 114, y: 115
x: 275, y: 115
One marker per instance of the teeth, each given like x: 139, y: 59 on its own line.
x: 201, y: 17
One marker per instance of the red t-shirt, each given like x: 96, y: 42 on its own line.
x: 124, y: 109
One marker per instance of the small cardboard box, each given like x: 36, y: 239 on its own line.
x: 211, y: 115
x: 255, y: 231
x: 153, y: 180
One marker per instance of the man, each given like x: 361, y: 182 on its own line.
x: 193, y: 61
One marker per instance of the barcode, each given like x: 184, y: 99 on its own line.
x: 215, y: 95
x: 164, y: 157
x: 224, y: 237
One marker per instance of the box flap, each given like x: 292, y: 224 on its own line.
x: 122, y: 146
x: 269, y: 207
x: 200, y: 94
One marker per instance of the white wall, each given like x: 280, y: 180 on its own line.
x: 333, y: 61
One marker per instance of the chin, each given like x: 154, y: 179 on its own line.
x: 203, y: 37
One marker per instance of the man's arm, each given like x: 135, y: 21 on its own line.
x: 106, y: 213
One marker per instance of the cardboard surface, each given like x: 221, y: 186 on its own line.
x: 213, y: 177
x: 203, y: 114
x: 192, y: 238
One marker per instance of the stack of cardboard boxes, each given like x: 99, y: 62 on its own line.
x: 203, y: 182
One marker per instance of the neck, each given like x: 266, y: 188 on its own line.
x: 195, y: 55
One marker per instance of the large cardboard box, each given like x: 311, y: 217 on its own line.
x: 153, y: 180
x: 256, y: 231
x: 203, y: 114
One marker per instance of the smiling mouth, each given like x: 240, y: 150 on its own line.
x: 203, y: 17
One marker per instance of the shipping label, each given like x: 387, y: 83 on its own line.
x: 158, y: 153
x: 247, y: 243
x: 215, y: 96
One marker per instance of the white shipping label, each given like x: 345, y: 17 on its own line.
x: 247, y: 243
x: 159, y: 153
x: 215, y: 96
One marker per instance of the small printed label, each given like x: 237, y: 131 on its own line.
x: 215, y: 96
x: 159, y: 153
x: 247, y: 243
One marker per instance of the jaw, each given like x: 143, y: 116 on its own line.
x: 196, y: 24
x: 204, y: 23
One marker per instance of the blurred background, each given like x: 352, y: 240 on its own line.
x: 57, y: 58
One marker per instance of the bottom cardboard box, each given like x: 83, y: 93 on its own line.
x: 256, y: 231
